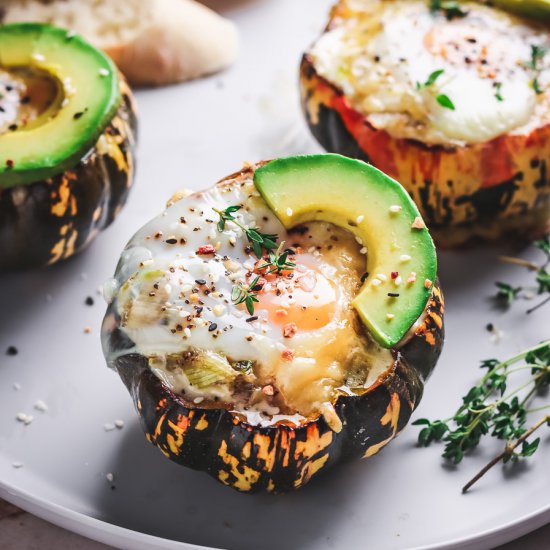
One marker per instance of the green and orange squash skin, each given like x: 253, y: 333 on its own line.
x: 50, y: 220
x: 482, y: 191
x: 282, y: 457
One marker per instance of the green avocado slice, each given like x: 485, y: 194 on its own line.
x: 88, y: 95
x: 401, y: 257
x: 535, y: 9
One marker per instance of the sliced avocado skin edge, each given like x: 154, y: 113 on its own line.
x: 45, y: 160
x: 294, y: 183
x: 532, y: 9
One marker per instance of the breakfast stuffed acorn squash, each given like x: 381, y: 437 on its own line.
x: 67, y: 138
x: 253, y: 342
x: 453, y: 102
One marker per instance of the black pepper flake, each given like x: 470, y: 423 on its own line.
x: 212, y: 327
x: 364, y: 277
x: 183, y: 220
x: 200, y: 281
x: 251, y: 319
x: 490, y: 327
x: 89, y: 301
x: 171, y: 240
x: 11, y: 351
x: 12, y: 127
x: 393, y: 294
x: 78, y: 115
x: 25, y: 100
x: 199, y: 309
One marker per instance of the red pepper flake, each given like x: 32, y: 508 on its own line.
x: 288, y: 355
x: 9, y: 163
x: 268, y: 390
x: 418, y: 223
x: 290, y: 330
x: 281, y: 312
x: 394, y: 274
x: 206, y: 249
x: 428, y: 283
x: 412, y: 278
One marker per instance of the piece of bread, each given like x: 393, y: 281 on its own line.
x: 154, y: 42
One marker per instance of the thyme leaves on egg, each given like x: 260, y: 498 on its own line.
x: 537, y: 55
x: 443, y: 99
x: 508, y: 293
x: 277, y: 261
x: 450, y: 8
x: 498, y: 91
x: 246, y: 294
x: 258, y: 240
x: 490, y: 409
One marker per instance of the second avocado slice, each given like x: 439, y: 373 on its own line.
x: 401, y: 258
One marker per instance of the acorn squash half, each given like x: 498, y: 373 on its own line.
x: 67, y: 138
x: 209, y: 435
x: 466, y: 189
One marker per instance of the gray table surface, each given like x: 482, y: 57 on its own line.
x: 22, y: 531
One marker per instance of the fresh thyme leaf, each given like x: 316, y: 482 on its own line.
x: 445, y: 101
x: 498, y: 89
x: 537, y: 55
x: 431, y: 80
x: 507, y: 293
x: 226, y: 215
x: 451, y: 8
x: 246, y: 296
x: 278, y: 261
x: 489, y: 409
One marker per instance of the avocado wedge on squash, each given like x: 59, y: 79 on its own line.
x: 67, y: 138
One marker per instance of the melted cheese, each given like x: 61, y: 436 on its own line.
x: 382, y: 51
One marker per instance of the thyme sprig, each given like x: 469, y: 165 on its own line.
x: 259, y: 241
x: 450, y: 8
x: 491, y: 409
x: 277, y: 261
x: 537, y: 55
x: 443, y: 99
x: 246, y: 294
x: 507, y: 293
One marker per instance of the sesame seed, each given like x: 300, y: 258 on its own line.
x: 359, y: 219
x: 108, y: 427
x: 418, y: 223
x: 376, y: 282
x: 119, y: 424
x: 110, y: 477
x: 17, y: 465
x: 38, y: 57
x: 187, y: 332
x: 41, y: 406
x: 103, y: 72
x: 381, y: 276
x: 24, y: 418
x: 198, y: 400
x: 218, y: 310
x: 359, y: 240
x: 395, y: 208
x: 390, y: 316
x: 363, y: 250
x: 398, y: 280
x: 289, y: 212
x: 405, y: 258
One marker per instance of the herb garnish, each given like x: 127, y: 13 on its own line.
x: 507, y: 293
x: 451, y: 8
x: 498, y: 89
x: 443, y: 99
x: 537, y: 55
x: 246, y: 295
x: 488, y: 409
x: 259, y: 241
x: 278, y: 261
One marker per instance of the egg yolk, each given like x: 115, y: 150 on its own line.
x: 306, y: 298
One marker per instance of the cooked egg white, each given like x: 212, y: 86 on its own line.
x: 172, y: 295
x: 383, y: 55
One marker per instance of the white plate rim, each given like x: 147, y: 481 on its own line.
x: 119, y: 537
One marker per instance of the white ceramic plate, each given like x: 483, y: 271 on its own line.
x: 192, y: 135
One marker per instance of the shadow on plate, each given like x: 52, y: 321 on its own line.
x: 155, y: 496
